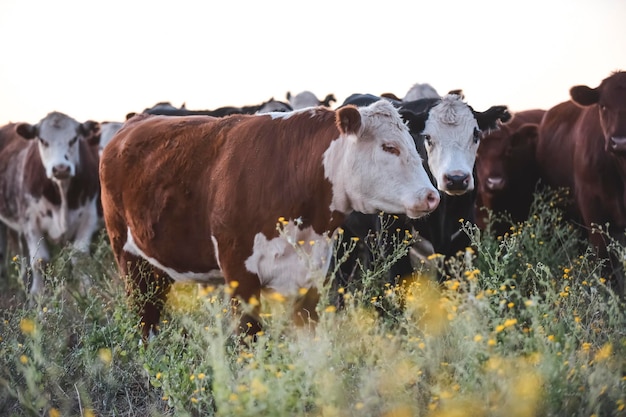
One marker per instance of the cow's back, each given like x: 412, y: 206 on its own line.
x: 556, y: 145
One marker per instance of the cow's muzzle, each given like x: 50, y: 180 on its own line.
x: 61, y: 171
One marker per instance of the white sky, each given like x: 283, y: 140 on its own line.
x: 102, y: 59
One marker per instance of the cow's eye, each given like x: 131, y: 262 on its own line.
x: 391, y: 149
x: 476, y: 135
x: 73, y: 141
x: 427, y: 139
x: 43, y: 142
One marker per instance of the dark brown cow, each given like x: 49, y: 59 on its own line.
x: 207, y: 194
x: 49, y: 186
x: 506, y: 171
x: 582, y: 145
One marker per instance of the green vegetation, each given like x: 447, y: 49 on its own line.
x: 524, y: 325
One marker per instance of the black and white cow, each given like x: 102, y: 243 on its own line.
x: 447, y: 133
x: 49, y: 186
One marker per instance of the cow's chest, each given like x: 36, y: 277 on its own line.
x: 57, y: 222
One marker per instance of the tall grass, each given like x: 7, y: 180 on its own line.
x: 523, y: 325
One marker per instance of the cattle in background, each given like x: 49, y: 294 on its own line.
x: 582, y: 146
x: 274, y: 106
x: 447, y: 132
x: 308, y: 99
x: 419, y: 91
x: 49, y: 186
x: 107, y: 131
x: 506, y: 170
x: 212, y: 191
x: 167, y: 109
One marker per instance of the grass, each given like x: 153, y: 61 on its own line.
x: 523, y: 325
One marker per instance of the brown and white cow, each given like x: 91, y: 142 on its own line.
x: 506, y: 170
x: 582, y: 145
x: 49, y: 186
x: 207, y: 194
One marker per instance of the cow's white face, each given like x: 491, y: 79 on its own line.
x: 375, y: 166
x: 451, y: 137
x: 58, y: 146
x: 58, y: 138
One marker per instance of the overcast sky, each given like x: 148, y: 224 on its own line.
x: 102, y: 59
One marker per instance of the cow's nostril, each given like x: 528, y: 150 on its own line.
x: 61, y: 171
x: 457, y: 182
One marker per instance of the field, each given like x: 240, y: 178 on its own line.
x: 524, y: 325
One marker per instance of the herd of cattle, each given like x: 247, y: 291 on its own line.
x: 194, y: 194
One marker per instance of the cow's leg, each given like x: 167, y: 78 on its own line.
x: 305, y: 308
x: 4, y: 234
x: 244, y: 287
x: 146, y: 287
x: 147, y: 290
x: 82, y: 243
x: 39, y: 256
x: 592, y: 213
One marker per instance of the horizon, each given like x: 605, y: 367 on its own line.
x: 102, y: 60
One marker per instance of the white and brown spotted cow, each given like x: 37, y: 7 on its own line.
x: 49, y: 186
x: 207, y: 194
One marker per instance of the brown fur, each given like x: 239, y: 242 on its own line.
x: 574, y: 151
x: 508, y: 153
x: 197, y: 177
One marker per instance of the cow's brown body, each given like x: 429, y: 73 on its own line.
x: 582, y: 146
x: 506, y: 169
x: 195, y: 192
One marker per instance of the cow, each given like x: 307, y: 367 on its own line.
x: 447, y: 133
x: 208, y: 194
x: 582, y: 146
x: 506, y: 170
x: 107, y: 130
x: 306, y: 99
x: 419, y: 91
x: 167, y: 109
x: 274, y: 106
x: 49, y: 187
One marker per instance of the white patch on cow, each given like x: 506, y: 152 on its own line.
x: 41, y: 220
x: 60, y: 224
x: 217, y: 251
x: 58, y: 143
x: 451, y: 143
x: 107, y: 131
x: 297, y: 258
x: 366, y: 176
x: 201, y: 277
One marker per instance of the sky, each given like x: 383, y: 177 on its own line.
x: 100, y: 60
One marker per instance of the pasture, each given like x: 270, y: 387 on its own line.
x: 524, y: 325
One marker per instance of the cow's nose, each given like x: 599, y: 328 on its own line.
x: 61, y: 171
x: 457, y: 182
x: 432, y: 200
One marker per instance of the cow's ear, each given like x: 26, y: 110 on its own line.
x: 584, y: 96
x: 415, y: 121
x: 348, y: 120
x: 525, y: 137
x: 90, y: 131
x: 329, y: 100
x: 27, y: 131
x: 488, y: 120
